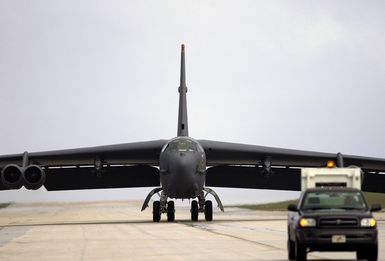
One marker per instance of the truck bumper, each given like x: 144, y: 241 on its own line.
x: 321, y: 239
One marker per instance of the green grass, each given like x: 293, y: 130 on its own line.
x: 282, y: 205
x: 4, y: 205
x: 375, y: 198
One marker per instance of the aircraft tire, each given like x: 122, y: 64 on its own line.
x: 209, y: 210
x: 194, y: 210
x: 156, y: 211
x: 170, y: 211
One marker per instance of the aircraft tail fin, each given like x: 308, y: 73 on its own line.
x: 182, y: 116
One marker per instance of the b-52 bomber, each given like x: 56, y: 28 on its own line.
x: 180, y: 168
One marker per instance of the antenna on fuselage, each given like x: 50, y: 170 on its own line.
x: 182, y: 117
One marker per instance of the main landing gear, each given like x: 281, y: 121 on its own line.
x: 207, y: 209
x: 197, y: 206
x: 205, y: 206
x: 157, y: 211
x: 162, y: 206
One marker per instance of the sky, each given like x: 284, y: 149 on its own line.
x: 306, y: 75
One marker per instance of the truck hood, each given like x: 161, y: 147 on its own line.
x: 336, y: 213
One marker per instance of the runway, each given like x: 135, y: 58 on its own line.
x: 117, y: 230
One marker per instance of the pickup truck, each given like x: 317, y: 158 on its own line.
x: 332, y: 219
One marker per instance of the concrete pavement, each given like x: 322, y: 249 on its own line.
x: 119, y: 231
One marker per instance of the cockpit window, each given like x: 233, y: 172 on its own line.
x: 182, y: 146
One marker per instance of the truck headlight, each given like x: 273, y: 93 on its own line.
x: 307, y: 222
x: 368, y: 222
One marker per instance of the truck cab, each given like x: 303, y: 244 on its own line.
x: 332, y: 215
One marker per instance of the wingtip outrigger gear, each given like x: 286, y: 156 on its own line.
x: 149, y: 196
x: 215, y: 195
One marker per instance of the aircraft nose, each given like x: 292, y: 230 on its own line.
x: 183, y: 165
x: 182, y: 179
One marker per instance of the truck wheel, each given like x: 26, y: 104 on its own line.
x: 360, y: 254
x: 372, y: 253
x: 300, y: 252
x: 290, y: 249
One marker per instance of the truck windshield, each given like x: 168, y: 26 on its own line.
x: 333, y: 200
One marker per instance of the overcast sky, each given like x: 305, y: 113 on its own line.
x: 295, y: 74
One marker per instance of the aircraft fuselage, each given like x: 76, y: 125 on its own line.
x: 182, y: 168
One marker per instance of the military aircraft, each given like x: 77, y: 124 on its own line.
x: 180, y: 168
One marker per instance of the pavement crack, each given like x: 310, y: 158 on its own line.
x: 207, y: 229
x: 231, y: 236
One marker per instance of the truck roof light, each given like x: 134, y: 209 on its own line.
x: 330, y: 164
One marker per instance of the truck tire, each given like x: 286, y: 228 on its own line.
x: 290, y: 249
x: 300, y: 252
x: 360, y: 254
x: 372, y: 253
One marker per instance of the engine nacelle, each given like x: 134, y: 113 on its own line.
x: 12, y: 176
x: 33, y: 177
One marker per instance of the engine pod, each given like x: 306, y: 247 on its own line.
x: 33, y: 177
x: 12, y: 176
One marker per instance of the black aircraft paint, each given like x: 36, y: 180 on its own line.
x: 180, y: 168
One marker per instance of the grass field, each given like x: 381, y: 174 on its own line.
x: 4, y: 205
x: 375, y: 198
x: 282, y: 205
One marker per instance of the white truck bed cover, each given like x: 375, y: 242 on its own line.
x: 330, y: 177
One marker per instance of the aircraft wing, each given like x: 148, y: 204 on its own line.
x: 111, y: 166
x: 250, y: 166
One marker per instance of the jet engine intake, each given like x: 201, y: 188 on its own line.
x: 12, y: 176
x: 33, y: 177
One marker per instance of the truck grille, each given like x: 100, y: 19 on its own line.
x: 338, y: 222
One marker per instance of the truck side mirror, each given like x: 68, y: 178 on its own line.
x: 292, y: 207
x: 375, y: 207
